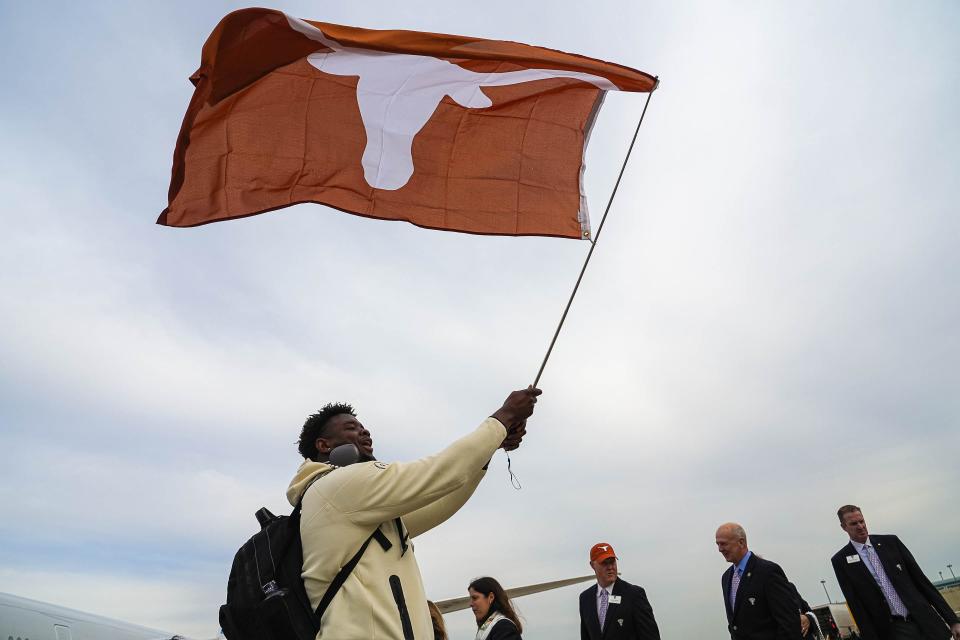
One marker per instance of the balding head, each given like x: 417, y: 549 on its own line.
x: 731, y: 542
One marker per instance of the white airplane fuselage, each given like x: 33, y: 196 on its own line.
x: 25, y: 619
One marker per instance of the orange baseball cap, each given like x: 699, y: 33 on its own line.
x: 601, y: 551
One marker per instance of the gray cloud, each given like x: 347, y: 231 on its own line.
x: 767, y: 331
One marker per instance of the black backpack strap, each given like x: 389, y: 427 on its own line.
x: 341, y: 577
x: 261, y: 549
x: 348, y: 568
x: 383, y: 540
x: 402, y: 535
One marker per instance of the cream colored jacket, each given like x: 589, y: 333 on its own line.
x: 345, y: 505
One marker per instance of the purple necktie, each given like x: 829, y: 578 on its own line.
x: 604, y: 604
x: 734, y: 584
x: 897, y: 607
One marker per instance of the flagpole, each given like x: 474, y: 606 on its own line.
x: 596, y: 238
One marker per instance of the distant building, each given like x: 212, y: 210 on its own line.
x: 950, y: 590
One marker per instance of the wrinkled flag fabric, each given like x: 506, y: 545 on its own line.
x: 443, y: 131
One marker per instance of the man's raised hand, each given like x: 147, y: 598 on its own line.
x: 514, y: 437
x: 514, y: 413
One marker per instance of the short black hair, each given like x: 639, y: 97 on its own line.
x: 315, y: 424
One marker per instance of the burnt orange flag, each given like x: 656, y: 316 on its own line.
x: 445, y: 132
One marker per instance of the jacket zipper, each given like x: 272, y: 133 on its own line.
x: 397, y: 589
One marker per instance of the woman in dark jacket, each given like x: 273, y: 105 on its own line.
x: 496, y: 619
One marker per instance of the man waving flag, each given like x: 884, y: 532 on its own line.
x: 446, y: 132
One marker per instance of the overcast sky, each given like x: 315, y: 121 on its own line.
x: 768, y: 329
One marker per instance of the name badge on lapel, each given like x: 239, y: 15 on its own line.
x: 614, y: 599
x: 854, y: 558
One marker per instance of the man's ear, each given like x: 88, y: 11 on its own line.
x: 322, y: 445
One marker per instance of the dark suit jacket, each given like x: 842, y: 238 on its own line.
x: 765, y: 608
x: 631, y: 619
x: 866, y: 601
x: 813, y: 632
x: 504, y: 630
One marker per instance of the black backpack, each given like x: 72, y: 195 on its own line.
x: 266, y: 599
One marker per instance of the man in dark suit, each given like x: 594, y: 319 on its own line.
x: 888, y: 594
x: 614, y: 609
x: 757, y: 597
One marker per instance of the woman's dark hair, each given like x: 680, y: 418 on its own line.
x: 314, y: 426
x: 487, y: 585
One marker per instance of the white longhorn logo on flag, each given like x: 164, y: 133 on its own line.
x: 397, y: 94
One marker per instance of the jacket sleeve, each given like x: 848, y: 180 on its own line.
x: 435, y: 513
x: 925, y: 587
x: 854, y: 603
x: 802, y: 605
x: 782, y: 605
x: 374, y: 492
x: 643, y: 619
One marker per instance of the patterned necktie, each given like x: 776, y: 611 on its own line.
x: 734, y: 585
x: 604, y: 604
x: 897, y: 607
